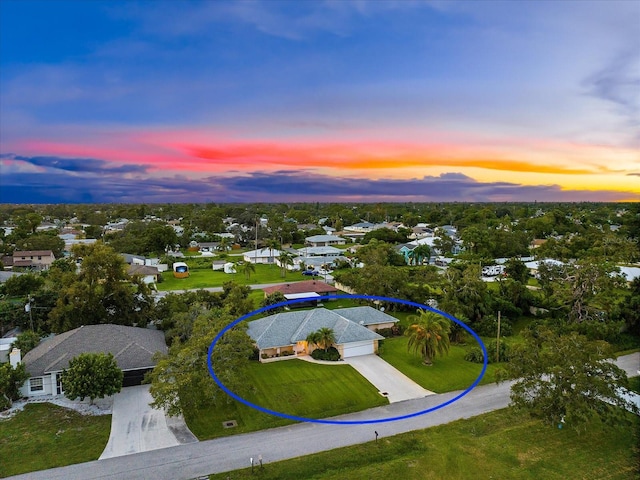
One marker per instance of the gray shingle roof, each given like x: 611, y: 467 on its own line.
x: 132, y: 347
x: 290, y: 327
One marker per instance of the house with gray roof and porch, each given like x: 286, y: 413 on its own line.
x: 133, y: 349
x: 284, y: 335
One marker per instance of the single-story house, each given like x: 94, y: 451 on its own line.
x: 262, y: 255
x: 209, y: 246
x: 148, y: 274
x: 284, y: 334
x: 37, y: 259
x: 308, y: 286
x: 133, y: 349
x: 324, y: 240
x: 320, y: 252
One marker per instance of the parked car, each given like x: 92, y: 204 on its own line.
x: 310, y: 272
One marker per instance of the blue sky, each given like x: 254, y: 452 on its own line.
x: 319, y: 100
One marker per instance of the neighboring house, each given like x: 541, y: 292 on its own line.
x: 209, y: 246
x: 262, y: 255
x: 537, y: 243
x: 306, y: 287
x: 133, y: 349
x: 324, y: 240
x: 33, y: 259
x: 320, y: 252
x: 285, y: 334
x: 534, y: 265
x: 148, y: 274
x: 405, y: 250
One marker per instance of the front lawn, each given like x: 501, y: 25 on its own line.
x: 207, y: 278
x: 44, y: 436
x: 448, y: 373
x: 294, y: 387
x: 496, y: 445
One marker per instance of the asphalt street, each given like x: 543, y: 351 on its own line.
x: 230, y: 453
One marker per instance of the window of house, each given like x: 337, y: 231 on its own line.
x: 36, y: 384
x: 39, y: 257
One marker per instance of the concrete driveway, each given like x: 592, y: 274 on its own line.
x: 397, y: 386
x: 136, y: 427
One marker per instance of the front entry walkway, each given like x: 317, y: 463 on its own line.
x: 136, y: 427
x: 391, y: 383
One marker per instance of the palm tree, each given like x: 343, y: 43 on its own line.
x: 322, y: 338
x: 420, y: 253
x: 224, y: 244
x: 326, y: 338
x: 248, y: 268
x: 286, y: 260
x: 429, y: 336
x: 272, y: 245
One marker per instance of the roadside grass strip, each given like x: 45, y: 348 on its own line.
x: 291, y: 386
x: 45, y: 436
x: 499, y: 444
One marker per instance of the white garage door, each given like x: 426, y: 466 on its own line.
x: 358, y: 348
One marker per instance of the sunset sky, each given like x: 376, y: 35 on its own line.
x: 286, y: 101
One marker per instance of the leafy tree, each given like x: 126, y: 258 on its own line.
x: 517, y: 270
x: 42, y: 241
x: 11, y: 379
x: 429, y: 336
x: 566, y: 379
x: 23, y: 285
x: 180, y: 381
x: 629, y: 309
x: 26, y: 341
x: 101, y: 292
x: 93, y: 375
x: 272, y: 299
x: 93, y: 231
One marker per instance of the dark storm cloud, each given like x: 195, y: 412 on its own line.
x: 59, y: 186
x: 79, y: 165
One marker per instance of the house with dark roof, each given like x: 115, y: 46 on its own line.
x: 284, y: 335
x: 133, y: 349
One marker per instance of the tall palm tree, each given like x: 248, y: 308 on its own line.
x: 322, y: 338
x: 272, y: 245
x: 247, y: 268
x: 420, y: 253
x: 326, y: 338
x: 286, y: 260
x: 429, y: 336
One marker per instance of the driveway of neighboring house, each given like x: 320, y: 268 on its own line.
x: 397, y: 386
x: 136, y: 427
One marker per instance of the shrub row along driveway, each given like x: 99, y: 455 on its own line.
x: 136, y: 427
x: 395, y: 384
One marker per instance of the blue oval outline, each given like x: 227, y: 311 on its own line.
x: 346, y: 422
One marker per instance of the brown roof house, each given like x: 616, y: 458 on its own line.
x: 133, y: 349
x: 33, y: 259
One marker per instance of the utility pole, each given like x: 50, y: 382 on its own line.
x: 498, y: 340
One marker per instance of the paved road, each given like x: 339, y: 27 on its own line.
x: 137, y: 427
x: 395, y: 384
x: 230, y: 453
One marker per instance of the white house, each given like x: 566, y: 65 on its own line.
x: 262, y: 255
x: 324, y: 240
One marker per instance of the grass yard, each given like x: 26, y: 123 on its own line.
x: 495, y: 445
x: 294, y: 387
x: 45, y: 436
x: 634, y: 383
x: 448, y: 373
x: 206, y: 278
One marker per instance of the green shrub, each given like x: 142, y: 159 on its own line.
x: 475, y: 355
x: 331, y: 354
